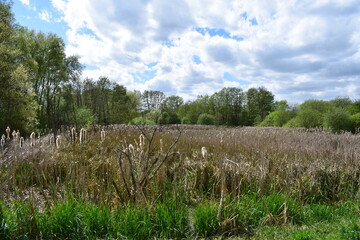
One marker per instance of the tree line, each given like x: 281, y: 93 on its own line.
x: 42, y: 88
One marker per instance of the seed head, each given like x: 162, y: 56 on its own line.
x: 21, y: 142
x: 73, y: 134
x: 14, y: 134
x: 32, y: 139
x: 58, y: 142
x: 204, y: 152
x: 51, y: 140
x: 8, y: 132
x: 142, y: 141
x: 82, y: 135
x: 3, y: 140
x: 161, y: 145
x: 102, y: 133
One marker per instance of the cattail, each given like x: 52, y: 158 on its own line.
x: 102, y: 133
x: 21, y: 142
x: 204, y: 152
x: 82, y: 135
x: 131, y: 149
x: 161, y: 145
x: 51, y: 140
x: 18, y: 135
x: 8, y: 132
x: 3, y: 140
x: 73, y: 134
x: 142, y: 141
x: 32, y: 139
x: 58, y: 142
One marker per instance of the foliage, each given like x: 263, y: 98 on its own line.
x: 206, y: 119
x: 84, y: 117
x: 17, y: 104
x: 356, y: 120
x: 338, y: 119
x: 141, y: 121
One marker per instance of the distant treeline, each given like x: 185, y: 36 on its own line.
x: 42, y: 88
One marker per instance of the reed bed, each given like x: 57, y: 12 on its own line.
x: 205, y: 168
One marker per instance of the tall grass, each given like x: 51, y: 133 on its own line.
x: 248, y: 177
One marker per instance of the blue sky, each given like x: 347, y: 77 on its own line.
x: 296, y: 49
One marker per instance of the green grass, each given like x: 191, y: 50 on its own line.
x: 275, y: 216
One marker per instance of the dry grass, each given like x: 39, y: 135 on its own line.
x: 309, y: 165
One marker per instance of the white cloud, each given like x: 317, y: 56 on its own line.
x: 45, y: 16
x: 297, y: 49
x: 25, y: 2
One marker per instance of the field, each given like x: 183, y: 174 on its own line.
x: 139, y: 182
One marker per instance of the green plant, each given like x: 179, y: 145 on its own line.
x: 350, y: 232
x: 205, y: 219
x: 206, y: 119
x: 338, y: 120
x: 172, y: 219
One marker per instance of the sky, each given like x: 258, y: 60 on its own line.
x: 297, y: 49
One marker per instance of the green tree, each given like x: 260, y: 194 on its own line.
x: 259, y: 103
x: 279, y: 117
x: 120, y: 111
x: 338, y: 120
x: 226, y: 105
x: 206, y: 119
x: 17, y: 103
x: 356, y: 120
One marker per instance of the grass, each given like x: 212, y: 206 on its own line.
x: 245, y: 217
x: 261, y: 183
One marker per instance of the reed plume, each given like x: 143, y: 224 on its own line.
x: 58, y: 142
x: 3, y: 140
x: 8, y: 132
x: 32, y: 139
x: 102, y: 135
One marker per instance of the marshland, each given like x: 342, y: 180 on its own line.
x: 166, y: 126
x: 183, y: 181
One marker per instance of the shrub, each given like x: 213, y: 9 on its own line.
x: 84, y: 117
x: 185, y: 120
x: 141, y: 121
x: 309, y: 118
x: 356, y: 120
x: 206, y: 119
x: 338, y: 119
x: 277, y: 119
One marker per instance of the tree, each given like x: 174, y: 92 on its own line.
x: 172, y: 103
x: 152, y: 100
x: 259, y: 103
x: 120, y: 111
x: 50, y: 71
x: 227, y: 104
x: 17, y: 104
x: 338, y: 120
x: 279, y: 117
x: 206, y: 119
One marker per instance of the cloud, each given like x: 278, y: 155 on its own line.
x: 297, y: 49
x: 25, y: 2
x: 45, y: 16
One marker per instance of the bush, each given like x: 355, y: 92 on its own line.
x: 185, y: 120
x: 141, y: 121
x: 277, y: 119
x: 356, y: 120
x: 338, y: 120
x: 84, y: 117
x: 206, y: 119
x: 309, y: 118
